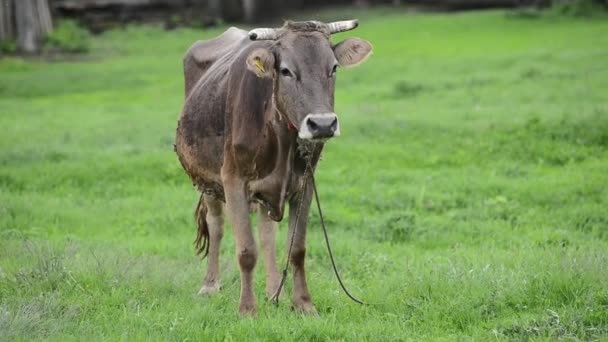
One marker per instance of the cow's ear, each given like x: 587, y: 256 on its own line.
x: 352, y: 52
x: 261, y: 62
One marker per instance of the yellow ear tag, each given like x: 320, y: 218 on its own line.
x: 258, y: 63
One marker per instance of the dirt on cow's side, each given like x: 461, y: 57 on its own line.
x: 466, y: 196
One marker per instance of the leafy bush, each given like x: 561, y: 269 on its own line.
x: 579, y: 8
x: 8, y: 47
x: 69, y: 37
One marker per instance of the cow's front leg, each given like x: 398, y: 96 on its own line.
x: 268, y: 232
x: 238, y: 210
x: 301, y: 297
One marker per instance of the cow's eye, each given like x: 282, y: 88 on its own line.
x: 286, y: 72
x: 333, y: 71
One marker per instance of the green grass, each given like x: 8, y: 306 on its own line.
x: 467, y: 196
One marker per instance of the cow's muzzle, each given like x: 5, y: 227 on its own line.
x: 319, y: 126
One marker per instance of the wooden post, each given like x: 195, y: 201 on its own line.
x: 250, y: 10
x: 6, y: 20
x: 214, y: 7
x: 258, y: 10
x: 27, y: 36
x: 44, y: 17
x: 231, y: 10
x: 25, y: 21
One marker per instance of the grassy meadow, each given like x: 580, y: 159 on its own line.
x: 467, y: 196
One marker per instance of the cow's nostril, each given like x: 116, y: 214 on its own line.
x: 334, y: 124
x: 313, y: 125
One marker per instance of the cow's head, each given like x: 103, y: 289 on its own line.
x: 303, y: 63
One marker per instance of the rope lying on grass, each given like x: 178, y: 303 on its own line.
x: 308, y: 172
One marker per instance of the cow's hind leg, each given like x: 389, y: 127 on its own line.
x: 268, y: 232
x: 301, y: 297
x: 215, y: 223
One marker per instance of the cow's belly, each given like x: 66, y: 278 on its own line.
x: 203, y: 161
x: 202, y: 157
x: 204, y: 168
x: 272, y: 192
x: 274, y: 189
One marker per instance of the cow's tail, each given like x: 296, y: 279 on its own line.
x: 201, y: 243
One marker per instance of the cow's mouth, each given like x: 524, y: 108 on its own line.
x: 319, y: 127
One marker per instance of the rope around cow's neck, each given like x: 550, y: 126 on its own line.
x: 309, y: 172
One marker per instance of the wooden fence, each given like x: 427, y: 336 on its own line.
x: 25, y: 22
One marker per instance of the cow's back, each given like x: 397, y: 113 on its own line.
x: 201, y: 130
x: 204, y: 53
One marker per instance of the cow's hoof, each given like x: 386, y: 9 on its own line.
x: 247, y: 310
x: 209, y: 289
x: 304, y: 307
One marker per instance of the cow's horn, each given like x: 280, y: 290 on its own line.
x: 342, y: 26
x: 263, y: 34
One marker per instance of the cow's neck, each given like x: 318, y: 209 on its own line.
x: 289, y: 157
x: 302, y: 150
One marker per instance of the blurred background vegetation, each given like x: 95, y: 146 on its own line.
x: 26, y: 26
x: 466, y: 196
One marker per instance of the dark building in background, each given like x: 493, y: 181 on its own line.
x: 208, y: 12
x: 26, y: 22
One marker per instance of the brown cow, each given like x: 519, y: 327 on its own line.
x: 259, y: 105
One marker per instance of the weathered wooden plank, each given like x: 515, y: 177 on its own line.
x: 6, y: 20
x: 214, y: 9
x: 44, y: 15
x: 27, y: 31
x: 2, y: 24
x: 36, y: 16
x: 86, y: 4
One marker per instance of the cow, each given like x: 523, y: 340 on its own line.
x: 259, y: 107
